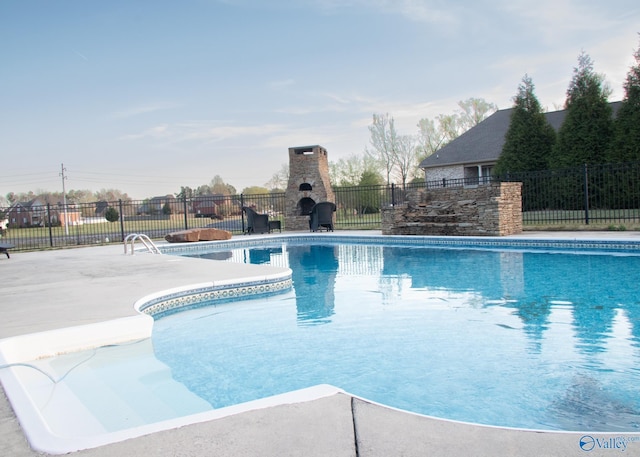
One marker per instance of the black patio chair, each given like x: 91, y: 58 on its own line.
x: 321, y: 216
x: 256, y: 223
x: 4, y: 249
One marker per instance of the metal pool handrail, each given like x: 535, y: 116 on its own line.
x: 146, y: 241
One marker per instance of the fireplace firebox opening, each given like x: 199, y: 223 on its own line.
x: 304, y: 205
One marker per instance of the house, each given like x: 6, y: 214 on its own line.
x: 204, y: 206
x: 470, y: 158
x: 156, y: 205
x: 37, y: 213
x: 69, y: 217
x: 212, y: 205
x: 101, y: 208
x: 27, y: 214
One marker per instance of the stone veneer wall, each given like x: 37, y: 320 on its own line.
x: 491, y: 210
x: 448, y: 172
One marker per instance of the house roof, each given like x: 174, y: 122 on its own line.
x: 26, y: 205
x: 483, y: 143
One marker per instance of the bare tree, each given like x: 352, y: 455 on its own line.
x: 434, y: 134
x: 110, y: 195
x: 279, y: 180
x: 384, y: 141
x: 473, y: 111
x: 406, y: 157
x: 430, y: 137
x: 347, y: 172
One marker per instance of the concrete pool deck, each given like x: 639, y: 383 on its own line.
x: 52, y: 290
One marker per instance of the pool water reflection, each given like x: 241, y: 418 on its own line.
x: 522, y: 339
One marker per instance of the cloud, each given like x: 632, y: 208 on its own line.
x: 330, y: 102
x: 153, y: 132
x: 138, y: 110
x: 82, y: 56
x: 277, y: 85
x: 205, y: 131
x: 558, y: 22
x: 427, y: 11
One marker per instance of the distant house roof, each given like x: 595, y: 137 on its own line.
x: 28, y: 205
x: 483, y: 143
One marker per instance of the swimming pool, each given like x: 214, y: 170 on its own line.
x: 541, y: 340
x: 548, y: 326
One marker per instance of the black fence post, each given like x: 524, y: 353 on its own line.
x: 242, y: 210
x: 49, y: 223
x: 184, y: 207
x: 121, y: 220
x: 444, y: 182
x: 585, y: 176
x: 393, y: 194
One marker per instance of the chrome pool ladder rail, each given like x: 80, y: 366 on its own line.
x: 146, y: 241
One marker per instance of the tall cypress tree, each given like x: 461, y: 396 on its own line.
x: 530, y: 138
x: 587, y: 130
x: 625, y: 146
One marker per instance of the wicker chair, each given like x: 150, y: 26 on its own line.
x: 256, y: 223
x: 322, y: 216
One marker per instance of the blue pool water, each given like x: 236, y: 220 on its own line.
x: 541, y: 340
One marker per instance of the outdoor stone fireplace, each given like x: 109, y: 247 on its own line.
x: 308, y: 184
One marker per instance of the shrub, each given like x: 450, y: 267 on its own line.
x: 111, y: 214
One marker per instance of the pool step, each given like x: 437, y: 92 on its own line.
x: 96, y: 403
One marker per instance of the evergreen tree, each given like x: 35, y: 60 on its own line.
x: 625, y: 146
x: 368, y: 199
x: 587, y: 130
x: 530, y: 138
x: 111, y: 214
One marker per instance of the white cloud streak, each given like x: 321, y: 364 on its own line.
x: 138, y: 110
x: 204, y: 131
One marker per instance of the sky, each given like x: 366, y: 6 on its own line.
x: 146, y: 96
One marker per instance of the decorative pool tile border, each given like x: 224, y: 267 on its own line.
x: 572, y: 245
x: 184, y: 299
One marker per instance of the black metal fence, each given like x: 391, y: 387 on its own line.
x: 41, y: 226
x: 591, y: 194
x: 606, y: 195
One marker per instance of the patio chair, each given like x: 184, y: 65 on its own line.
x: 4, y: 249
x: 256, y: 223
x: 321, y: 216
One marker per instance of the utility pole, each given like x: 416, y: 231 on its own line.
x: 64, y: 198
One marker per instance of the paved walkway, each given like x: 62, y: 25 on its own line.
x: 58, y: 289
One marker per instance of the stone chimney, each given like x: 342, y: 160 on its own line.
x: 308, y: 184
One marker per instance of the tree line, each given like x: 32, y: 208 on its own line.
x: 590, y: 133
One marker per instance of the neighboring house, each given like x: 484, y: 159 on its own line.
x: 472, y: 156
x: 34, y: 214
x: 71, y: 217
x: 101, y: 208
x: 205, y: 205
x: 156, y: 205
x: 27, y: 214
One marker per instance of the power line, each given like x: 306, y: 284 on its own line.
x: 25, y: 174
